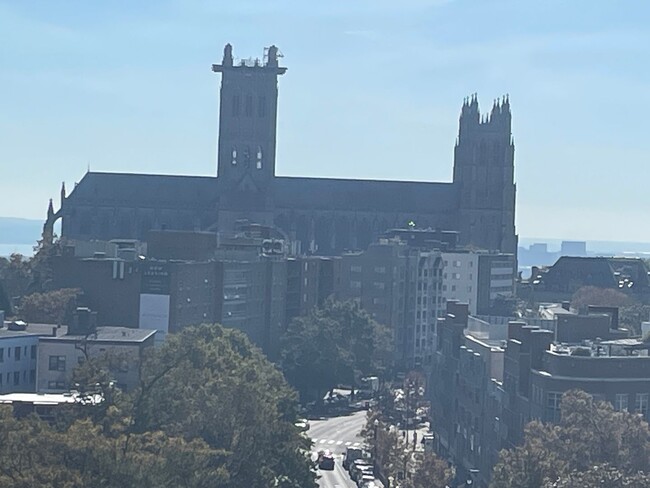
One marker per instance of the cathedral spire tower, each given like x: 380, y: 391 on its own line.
x: 484, y: 176
x: 248, y: 116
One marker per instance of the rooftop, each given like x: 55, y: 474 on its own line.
x: 110, y: 334
x: 33, y: 329
x: 46, y: 398
x: 627, y: 347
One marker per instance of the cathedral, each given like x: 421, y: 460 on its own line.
x: 321, y: 215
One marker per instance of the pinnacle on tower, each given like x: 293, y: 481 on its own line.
x: 50, y: 210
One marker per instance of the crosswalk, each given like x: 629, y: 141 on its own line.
x: 331, y: 442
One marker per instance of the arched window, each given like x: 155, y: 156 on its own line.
x: 259, y: 157
x: 235, y: 106
x: 261, y: 106
x: 249, y: 106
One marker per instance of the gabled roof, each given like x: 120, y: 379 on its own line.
x: 166, y: 191
x: 364, y: 195
x: 142, y: 190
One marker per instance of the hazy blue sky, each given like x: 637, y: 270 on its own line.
x: 374, y: 89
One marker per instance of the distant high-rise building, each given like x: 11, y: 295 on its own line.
x: 573, y: 248
x: 317, y: 215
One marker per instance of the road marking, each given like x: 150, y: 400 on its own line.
x: 348, y: 443
x: 338, y: 443
x: 314, y: 441
x: 355, y: 444
x: 322, y: 441
x: 330, y: 442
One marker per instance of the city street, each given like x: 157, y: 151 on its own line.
x: 336, y: 434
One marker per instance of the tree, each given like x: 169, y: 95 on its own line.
x: 15, y: 273
x: 5, y: 303
x: 431, y: 472
x: 592, y: 295
x: 394, y: 458
x: 32, y: 453
x: 210, y: 411
x: 631, y: 316
x: 313, y: 356
x: 210, y: 383
x: 589, y: 434
x: 334, y: 344
x: 603, y: 476
x: 53, y: 307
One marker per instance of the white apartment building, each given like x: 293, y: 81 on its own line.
x: 18, y: 356
x: 478, y: 279
x: 460, y: 278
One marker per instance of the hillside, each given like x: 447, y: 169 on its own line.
x: 19, y: 231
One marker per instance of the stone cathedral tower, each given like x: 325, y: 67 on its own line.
x: 484, y: 174
x: 248, y: 119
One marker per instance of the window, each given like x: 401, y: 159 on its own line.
x: 32, y: 376
x: 249, y: 106
x: 355, y: 285
x: 56, y: 385
x: 261, y: 106
x: 641, y: 404
x: 469, y: 288
x: 17, y: 352
x: 553, y: 400
x: 235, y: 106
x: 355, y: 269
x: 33, y: 352
x: 380, y: 269
x: 57, y: 363
x: 379, y: 285
x: 16, y: 378
x: 457, y: 264
x: 621, y: 402
x: 456, y: 276
x: 2, y: 354
x: 453, y: 287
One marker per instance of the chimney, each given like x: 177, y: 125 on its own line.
x: 566, y: 306
x: 84, y: 322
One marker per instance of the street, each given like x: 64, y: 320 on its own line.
x: 336, y: 434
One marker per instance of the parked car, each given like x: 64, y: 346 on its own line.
x: 365, y: 479
x: 351, y: 454
x: 325, y: 460
x: 358, y: 466
x: 303, y: 424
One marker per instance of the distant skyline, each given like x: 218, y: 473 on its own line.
x: 373, y: 90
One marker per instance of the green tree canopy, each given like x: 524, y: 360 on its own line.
x: 589, y: 434
x: 210, y: 411
x: 333, y: 344
x: 5, y: 303
x: 53, y: 307
x: 602, y: 476
x: 592, y: 295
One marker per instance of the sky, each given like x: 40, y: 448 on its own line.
x: 373, y: 90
